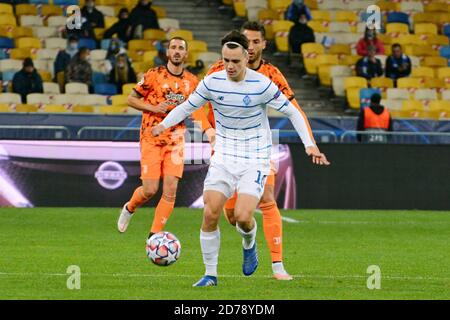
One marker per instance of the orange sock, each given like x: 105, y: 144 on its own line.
x: 137, y: 199
x: 273, y: 229
x: 162, y: 214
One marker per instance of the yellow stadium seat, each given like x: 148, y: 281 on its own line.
x: 410, y: 83
x: 425, y: 17
x: 444, y: 18
x: 183, y: 33
x: 383, y: 84
x: 282, y: 26
x: 327, y: 59
x: 106, y: 109
x: 340, y: 49
x: 109, y: 21
x: 26, y: 9
x: 397, y: 28
x: 318, y: 15
x: 279, y: 5
x: 318, y: 26
x: 408, y: 39
x: 425, y: 28
x: 54, y: 108
x: 439, y: 109
x: 160, y: 12
x: 119, y: 99
x: 421, y: 51
x: 388, y: 6
x: 154, y: 34
x: 346, y: 16
x: 239, y: 8
x: 355, y: 82
x: 28, y: 108
x: 444, y: 74
x: 21, y: 53
x: 142, y: 66
x: 128, y: 88
x: 435, y: 62
x: 281, y: 30
x: 353, y: 97
x: 45, y: 75
x: 412, y: 109
x: 51, y: 10
x: 20, y: 32
x: 422, y: 72
x: 267, y: 14
x: 197, y: 46
x: 324, y: 72
x: 5, y: 108
x: 433, y: 83
x: 140, y: 45
x: 99, y: 32
x: 150, y: 55
x: 437, y: 40
x: 83, y: 109
x: 7, y: 19
x: 310, y: 52
x: 6, y: 8
x: 349, y: 60
x: 136, y: 56
x: 436, y: 7
x: 28, y: 42
x: 312, y: 4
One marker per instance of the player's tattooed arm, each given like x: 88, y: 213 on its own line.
x: 135, y: 101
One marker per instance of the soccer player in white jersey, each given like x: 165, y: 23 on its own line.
x: 241, y: 161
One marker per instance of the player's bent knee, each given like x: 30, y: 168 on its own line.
x: 229, y: 216
x: 243, y: 217
x: 149, y: 191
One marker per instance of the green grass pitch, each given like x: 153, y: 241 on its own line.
x: 328, y: 252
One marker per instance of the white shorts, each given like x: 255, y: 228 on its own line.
x: 240, y: 177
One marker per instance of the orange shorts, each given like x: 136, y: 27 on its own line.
x: 270, y: 181
x: 160, y: 160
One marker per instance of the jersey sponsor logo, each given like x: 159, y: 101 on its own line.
x: 179, y: 98
x: 111, y: 175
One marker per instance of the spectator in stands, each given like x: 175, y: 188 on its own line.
x: 79, y: 68
x: 300, y: 33
x: 142, y: 17
x: 295, y: 9
x: 369, y: 67
x: 370, y: 39
x: 121, y: 27
x: 93, y: 16
x: 161, y: 59
x: 374, y: 118
x: 115, y: 48
x: 64, y: 56
x: 122, y: 72
x: 27, y: 80
x: 398, y: 65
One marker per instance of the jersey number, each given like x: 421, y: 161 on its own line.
x: 260, y: 179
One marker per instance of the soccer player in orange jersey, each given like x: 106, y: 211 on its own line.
x: 161, y: 90
x: 272, y: 223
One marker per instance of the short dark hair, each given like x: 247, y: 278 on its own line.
x: 235, y: 36
x: 27, y: 62
x: 179, y: 38
x: 396, y: 45
x: 254, y: 26
x: 375, y: 98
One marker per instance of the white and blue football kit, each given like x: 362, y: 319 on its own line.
x: 241, y: 159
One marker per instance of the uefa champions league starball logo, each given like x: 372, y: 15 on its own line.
x: 111, y: 175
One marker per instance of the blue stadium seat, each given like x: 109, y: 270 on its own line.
x: 39, y: 1
x: 445, y: 52
x: 65, y: 2
x: 6, y: 43
x: 8, y: 75
x: 106, y: 89
x: 447, y: 30
x: 87, y: 42
x: 399, y: 17
x: 98, y: 78
x: 4, y: 54
x: 104, y: 44
x: 365, y: 94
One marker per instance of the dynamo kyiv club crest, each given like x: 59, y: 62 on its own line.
x: 247, y: 100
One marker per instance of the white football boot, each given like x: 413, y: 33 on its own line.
x: 124, y: 219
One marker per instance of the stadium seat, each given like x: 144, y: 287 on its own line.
x: 326, y: 59
x: 91, y: 44
x: 331, y: 5
x: 39, y: 98
x: 51, y: 10
x: 107, y: 11
x: 365, y: 94
x: 6, y: 43
x: 425, y: 94
x: 409, y: 83
x: 98, y: 77
x: 140, y: 45
x: 421, y: 51
x: 349, y: 60
x: 415, y: 61
x: 397, y: 94
x: 66, y: 99
x: 105, y: 89
x: 439, y: 109
x: 318, y: 15
x: 66, y: 2
x: 446, y: 95
x: 339, y: 27
x: 435, y: 62
x: 45, y: 32
x: 21, y: 53
x: 438, y: 84
x: 446, y: 30
x: 46, y: 54
x: 208, y: 58
x: 82, y: 109
x: 279, y: 5
x: 437, y: 40
x: 318, y: 26
x: 310, y: 52
x: 46, y: 76
x: 76, y: 87
x: 425, y: 17
x: 34, y: 43
x: 383, y: 84
x: 38, y: 1
x: 119, y: 99
x: 388, y: 6
x: 110, y: 21
x: 352, y: 85
x: 169, y: 24
x: 154, y: 34
x: 55, y: 43
x: 346, y: 16
x: 31, y: 21
x: 107, y: 109
x: 411, y: 6
x: 408, y: 39
x: 92, y: 100
x: 58, y: 21
x: 197, y: 46
x: 444, y: 74
x: 412, y: 109
x: 54, y: 108
x: 150, y: 55
x: 160, y: 12
x: 398, y: 17
x: 128, y: 88
x: 10, y: 98
x: 10, y: 64
x: 26, y: 108
x: 98, y: 54
x: 422, y: 72
x: 5, y: 108
x: 8, y: 75
x: 436, y: 7
x: 8, y: 19
x: 281, y: 30
x: 183, y: 33
x: 51, y: 88
x: 395, y: 28
x: 425, y: 28
x: 23, y: 9
x: 142, y: 67
x: 338, y: 74
x: 6, y: 8
x: 338, y: 49
x: 392, y: 105
x: 359, y: 5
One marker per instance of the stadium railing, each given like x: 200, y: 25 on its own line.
x: 396, y: 137
x: 35, y: 132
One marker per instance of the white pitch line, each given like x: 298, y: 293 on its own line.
x: 138, y: 275
x: 289, y: 220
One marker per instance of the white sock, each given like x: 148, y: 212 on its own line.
x: 248, y: 238
x: 278, y: 267
x: 210, y: 244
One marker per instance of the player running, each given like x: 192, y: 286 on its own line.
x: 160, y: 91
x: 241, y: 161
x: 272, y: 223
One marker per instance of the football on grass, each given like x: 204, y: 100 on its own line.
x: 163, y: 248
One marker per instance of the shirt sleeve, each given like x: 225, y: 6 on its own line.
x: 196, y: 100
x: 278, y: 101
x: 143, y: 86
